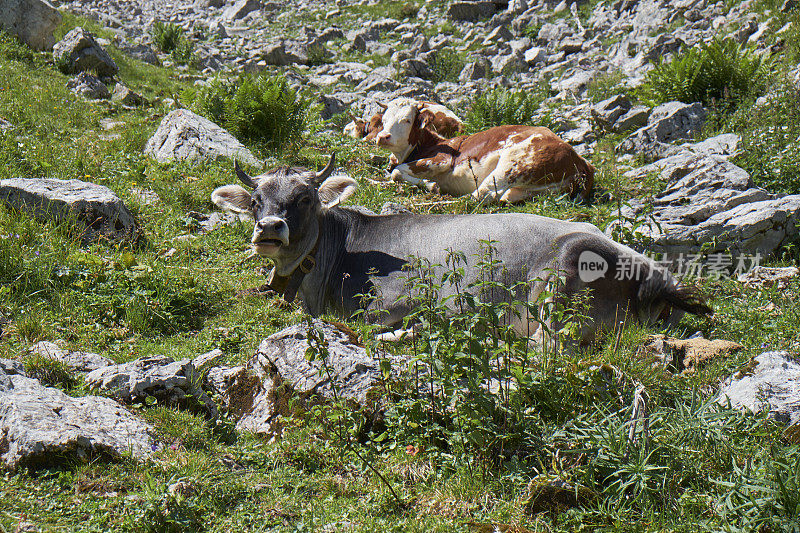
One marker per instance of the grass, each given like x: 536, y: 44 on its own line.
x: 180, y: 298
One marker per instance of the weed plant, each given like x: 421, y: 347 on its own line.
x: 446, y: 65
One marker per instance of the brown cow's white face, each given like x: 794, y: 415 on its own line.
x: 398, y: 121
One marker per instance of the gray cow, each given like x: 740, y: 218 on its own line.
x: 331, y: 255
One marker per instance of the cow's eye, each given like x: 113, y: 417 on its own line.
x: 305, y: 200
x: 253, y: 203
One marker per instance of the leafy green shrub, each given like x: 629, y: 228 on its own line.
x: 50, y: 371
x: 721, y: 70
x: 166, y: 36
x: 502, y: 106
x: 256, y: 108
x: 446, y: 65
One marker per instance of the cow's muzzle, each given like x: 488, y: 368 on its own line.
x: 269, y: 235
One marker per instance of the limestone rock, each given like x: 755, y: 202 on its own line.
x: 32, y: 21
x: 188, y: 136
x: 140, y: 51
x: 78, y: 51
x: 762, y: 276
x: 41, y: 425
x: 11, y: 366
x: 667, y: 123
x: 88, y: 86
x: 208, y: 360
x: 711, y: 203
x: 689, y: 354
x: 80, y: 361
x: 104, y: 214
x: 168, y: 382
x: 240, y: 9
x: 606, y: 113
x: 283, y: 370
x: 475, y: 70
x: 771, y: 381
x: 126, y: 97
x: 284, y: 53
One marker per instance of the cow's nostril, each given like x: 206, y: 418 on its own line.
x: 277, y: 226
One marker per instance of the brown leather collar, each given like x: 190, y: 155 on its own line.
x: 287, y: 286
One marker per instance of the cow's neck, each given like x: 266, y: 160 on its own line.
x: 419, y: 139
x: 286, y: 278
x: 317, y: 287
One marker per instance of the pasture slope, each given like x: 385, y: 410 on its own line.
x: 490, y: 433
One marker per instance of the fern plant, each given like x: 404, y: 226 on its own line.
x: 722, y: 70
x: 256, y: 108
x: 502, y: 106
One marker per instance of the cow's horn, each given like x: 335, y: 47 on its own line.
x: 243, y: 177
x: 382, y: 105
x: 323, y: 174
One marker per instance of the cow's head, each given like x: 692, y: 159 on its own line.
x: 401, y: 122
x: 359, y: 128
x: 285, y: 204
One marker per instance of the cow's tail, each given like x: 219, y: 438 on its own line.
x: 661, y: 288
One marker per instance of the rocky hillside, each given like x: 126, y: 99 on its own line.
x: 149, y: 380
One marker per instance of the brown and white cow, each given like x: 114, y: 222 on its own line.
x: 443, y: 121
x: 502, y: 164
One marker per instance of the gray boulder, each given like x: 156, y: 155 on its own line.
x: 770, y: 382
x: 42, y: 425
x: 416, y: 68
x: 104, y: 214
x: 89, y: 87
x: 606, y: 113
x: 667, y: 123
x: 174, y: 383
x: 78, y: 51
x: 471, y: 11
x: 80, y: 361
x: 32, y: 21
x: 11, y: 366
x: 188, y: 136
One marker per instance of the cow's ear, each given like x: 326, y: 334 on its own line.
x: 335, y: 190
x: 425, y: 118
x: 232, y: 198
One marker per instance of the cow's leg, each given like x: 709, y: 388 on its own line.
x: 403, y: 173
x: 396, y: 335
x: 516, y: 195
x: 493, y: 188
